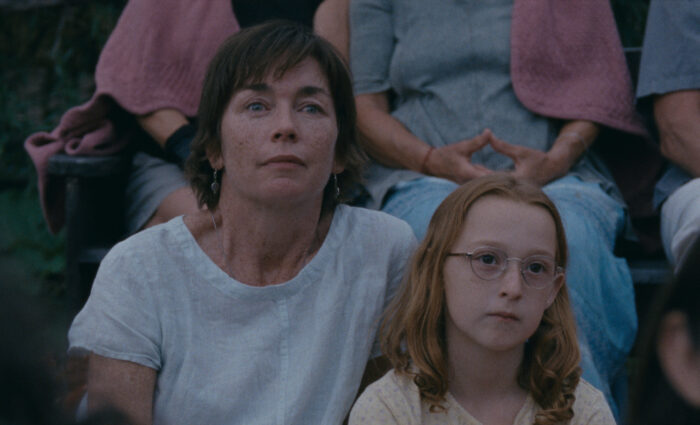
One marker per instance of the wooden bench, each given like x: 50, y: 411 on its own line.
x: 94, y: 210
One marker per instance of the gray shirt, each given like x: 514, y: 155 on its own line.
x: 230, y: 353
x: 670, y: 62
x: 449, y: 66
x: 671, y: 53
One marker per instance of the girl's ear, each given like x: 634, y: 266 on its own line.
x: 558, y: 283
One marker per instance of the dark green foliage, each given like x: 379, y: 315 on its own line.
x: 48, y: 57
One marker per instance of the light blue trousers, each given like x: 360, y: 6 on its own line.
x: 600, y: 284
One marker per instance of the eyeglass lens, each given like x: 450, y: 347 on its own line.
x: 538, y: 270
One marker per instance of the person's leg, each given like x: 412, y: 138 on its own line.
x: 415, y: 201
x: 600, y: 284
x: 680, y: 220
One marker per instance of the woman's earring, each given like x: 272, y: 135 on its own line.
x: 215, y: 183
x: 335, y: 183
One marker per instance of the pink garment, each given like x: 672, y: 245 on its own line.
x: 155, y: 58
x: 567, y: 62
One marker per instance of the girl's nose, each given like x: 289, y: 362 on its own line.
x: 512, y: 281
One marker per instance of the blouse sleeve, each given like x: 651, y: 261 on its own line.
x: 371, y: 44
x: 120, y: 319
x: 672, y: 37
x: 590, y: 407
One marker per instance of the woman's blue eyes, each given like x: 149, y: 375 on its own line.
x: 259, y: 107
x: 255, y: 107
x: 314, y: 109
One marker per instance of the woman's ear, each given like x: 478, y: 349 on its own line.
x: 338, y: 167
x: 215, y: 159
x: 556, y: 287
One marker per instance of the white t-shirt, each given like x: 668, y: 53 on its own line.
x: 230, y: 353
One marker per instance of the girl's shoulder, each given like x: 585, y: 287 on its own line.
x: 590, y: 406
x: 394, y: 398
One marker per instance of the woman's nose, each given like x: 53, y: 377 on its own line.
x: 285, y: 128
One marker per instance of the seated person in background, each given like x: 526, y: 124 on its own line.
x: 148, y: 83
x: 670, y: 72
x: 263, y: 307
x: 667, y: 390
x: 482, y: 330
x: 458, y: 90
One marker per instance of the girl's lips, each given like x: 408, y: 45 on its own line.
x: 504, y: 315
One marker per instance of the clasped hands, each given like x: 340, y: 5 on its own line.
x: 453, y: 161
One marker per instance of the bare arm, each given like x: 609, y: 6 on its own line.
x: 331, y: 22
x: 123, y: 385
x: 389, y: 142
x: 162, y: 123
x: 677, y: 116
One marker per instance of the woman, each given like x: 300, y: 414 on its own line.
x: 482, y: 330
x: 461, y: 89
x: 261, y: 308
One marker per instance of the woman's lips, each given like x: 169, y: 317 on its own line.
x: 284, y: 159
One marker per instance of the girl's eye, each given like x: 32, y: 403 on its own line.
x: 255, y: 107
x: 487, y: 259
x: 536, y: 268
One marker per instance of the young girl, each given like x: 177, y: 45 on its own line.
x: 482, y: 331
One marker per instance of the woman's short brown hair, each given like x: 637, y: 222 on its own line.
x: 413, y: 329
x: 249, y: 57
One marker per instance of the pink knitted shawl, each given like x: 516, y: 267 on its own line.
x: 567, y: 62
x: 155, y: 58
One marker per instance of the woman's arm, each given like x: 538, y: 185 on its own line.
x: 171, y: 130
x: 677, y: 116
x: 392, y: 144
x: 331, y: 22
x: 161, y: 124
x: 123, y: 385
x: 574, y: 139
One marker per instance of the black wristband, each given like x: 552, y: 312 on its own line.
x: 177, y: 147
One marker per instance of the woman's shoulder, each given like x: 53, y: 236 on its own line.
x: 590, y: 406
x: 374, y: 232
x: 374, y: 221
x: 147, y: 242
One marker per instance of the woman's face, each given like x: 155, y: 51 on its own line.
x: 499, y: 314
x: 278, y: 139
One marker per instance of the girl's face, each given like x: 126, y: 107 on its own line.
x: 502, y: 313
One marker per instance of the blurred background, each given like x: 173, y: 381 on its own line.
x: 48, y: 51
